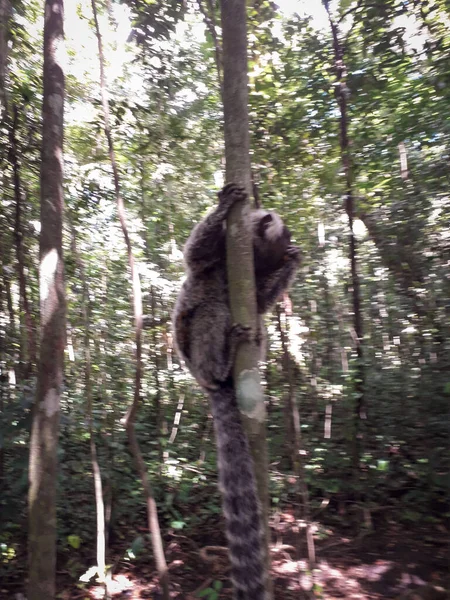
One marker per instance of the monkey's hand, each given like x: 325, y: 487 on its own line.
x: 239, y: 334
x: 292, y: 254
x: 228, y: 197
x: 271, y: 287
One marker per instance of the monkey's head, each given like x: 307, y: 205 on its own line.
x: 271, y: 239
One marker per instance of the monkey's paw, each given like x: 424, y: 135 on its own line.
x: 241, y: 333
x: 231, y: 194
x: 292, y: 253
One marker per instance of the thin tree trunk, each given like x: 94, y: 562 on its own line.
x: 297, y: 448
x: 158, y: 395
x: 207, y: 9
x: 45, y: 425
x: 314, y: 364
x: 11, y: 328
x: 153, y: 523
x: 5, y: 23
x: 154, y: 353
x: 29, y: 355
x: 403, y: 160
x: 3, y: 390
x: 240, y: 268
x: 5, y: 15
x: 342, y: 93
x: 102, y: 349
x: 96, y: 472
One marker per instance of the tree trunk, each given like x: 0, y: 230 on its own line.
x: 96, y: 472
x: 240, y: 268
x: 153, y: 523
x: 155, y: 355
x: 207, y: 9
x: 157, y: 366
x: 29, y: 350
x: 5, y: 14
x: 45, y: 426
x: 297, y: 447
x: 341, y: 94
x: 3, y: 391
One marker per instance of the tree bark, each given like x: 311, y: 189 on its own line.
x: 3, y: 391
x: 5, y: 14
x: 96, y: 472
x: 297, y: 448
x: 157, y: 365
x: 342, y: 94
x: 153, y: 523
x: 45, y: 425
x: 209, y: 18
x: 155, y: 355
x: 29, y: 352
x: 240, y: 268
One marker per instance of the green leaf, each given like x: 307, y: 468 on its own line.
x: 74, y: 541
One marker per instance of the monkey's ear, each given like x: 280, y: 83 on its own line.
x: 263, y: 223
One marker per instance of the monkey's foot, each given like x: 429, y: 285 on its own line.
x: 240, y: 333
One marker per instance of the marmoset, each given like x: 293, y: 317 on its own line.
x: 207, y: 340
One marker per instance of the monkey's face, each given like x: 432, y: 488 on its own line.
x: 271, y: 239
x: 271, y: 229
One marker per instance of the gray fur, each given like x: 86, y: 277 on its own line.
x: 207, y: 340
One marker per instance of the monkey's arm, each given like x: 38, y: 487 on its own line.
x: 270, y: 287
x: 206, y: 244
x: 203, y: 247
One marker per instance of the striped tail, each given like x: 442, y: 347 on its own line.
x: 239, y: 497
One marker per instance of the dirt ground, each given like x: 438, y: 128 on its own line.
x: 398, y: 563
x: 392, y: 562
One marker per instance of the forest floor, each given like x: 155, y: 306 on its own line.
x: 392, y: 562
x: 408, y: 563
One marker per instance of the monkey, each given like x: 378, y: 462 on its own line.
x: 207, y: 340
x: 205, y: 291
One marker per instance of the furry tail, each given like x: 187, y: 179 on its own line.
x: 239, y: 497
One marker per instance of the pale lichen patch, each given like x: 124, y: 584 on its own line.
x: 47, y: 273
x: 51, y: 403
x: 250, y: 395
